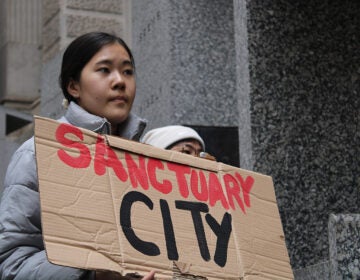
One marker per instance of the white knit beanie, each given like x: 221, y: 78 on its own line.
x: 163, y: 137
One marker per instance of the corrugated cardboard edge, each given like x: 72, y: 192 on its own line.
x: 90, y: 257
x: 168, y: 156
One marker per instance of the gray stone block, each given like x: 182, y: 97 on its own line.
x: 192, y: 62
x: 77, y: 25
x: 51, y: 94
x: 51, y: 34
x: 320, y: 271
x: 344, y: 246
x: 243, y: 83
x: 106, y: 6
x: 49, y: 9
x: 304, y: 114
x: 22, y: 72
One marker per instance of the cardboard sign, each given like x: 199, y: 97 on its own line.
x: 114, y: 204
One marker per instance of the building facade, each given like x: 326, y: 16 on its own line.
x: 272, y: 86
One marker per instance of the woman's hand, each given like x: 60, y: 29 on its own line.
x: 149, y: 276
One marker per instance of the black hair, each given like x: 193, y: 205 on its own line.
x: 79, y: 53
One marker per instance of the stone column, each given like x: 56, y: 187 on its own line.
x: 188, y: 48
x: 20, y: 64
x: 304, y: 111
x: 20, y: 54
x: 186, y: 69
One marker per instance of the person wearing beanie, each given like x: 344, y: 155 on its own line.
x: 177, y: 138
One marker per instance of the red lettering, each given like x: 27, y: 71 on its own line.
x: 165, y: 187
x: 145, y: 171
x: 203, y: 193
x: 106, y: 157
x: 137, y: 173
x: 233, y: 191
x: 246, y: 187
x: 216, y: 192
x: 84, y: 158
x: 180, y: 171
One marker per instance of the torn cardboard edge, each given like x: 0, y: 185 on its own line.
x: 75, y: 171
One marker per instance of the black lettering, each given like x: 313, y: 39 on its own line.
x: 169, y: 231
x: 222, y: 232
x: 147, y: 248
x: 196, y: 208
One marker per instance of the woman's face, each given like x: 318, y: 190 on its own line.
x: 107, y: 84
x: 188, y: 146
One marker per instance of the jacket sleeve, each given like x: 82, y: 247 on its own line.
x: 22, y: 254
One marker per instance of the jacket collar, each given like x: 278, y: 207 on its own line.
x: 131, y: 128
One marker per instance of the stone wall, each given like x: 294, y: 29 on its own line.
x: 185, y: 62
x: 291, y: 87
x: 304, y: 76
x: 185, y: 57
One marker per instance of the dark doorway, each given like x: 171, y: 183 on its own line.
x: 221, y: 142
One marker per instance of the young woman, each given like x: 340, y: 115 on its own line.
x: 98, y: 81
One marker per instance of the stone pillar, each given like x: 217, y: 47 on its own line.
x: 20, y: 53
x: 192, y: 63
x: 304, y: 115
x: 186, y: 71
x: 20, y: 64
x: 243, y: 84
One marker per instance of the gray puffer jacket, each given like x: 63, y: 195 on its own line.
x: 22, y: 254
